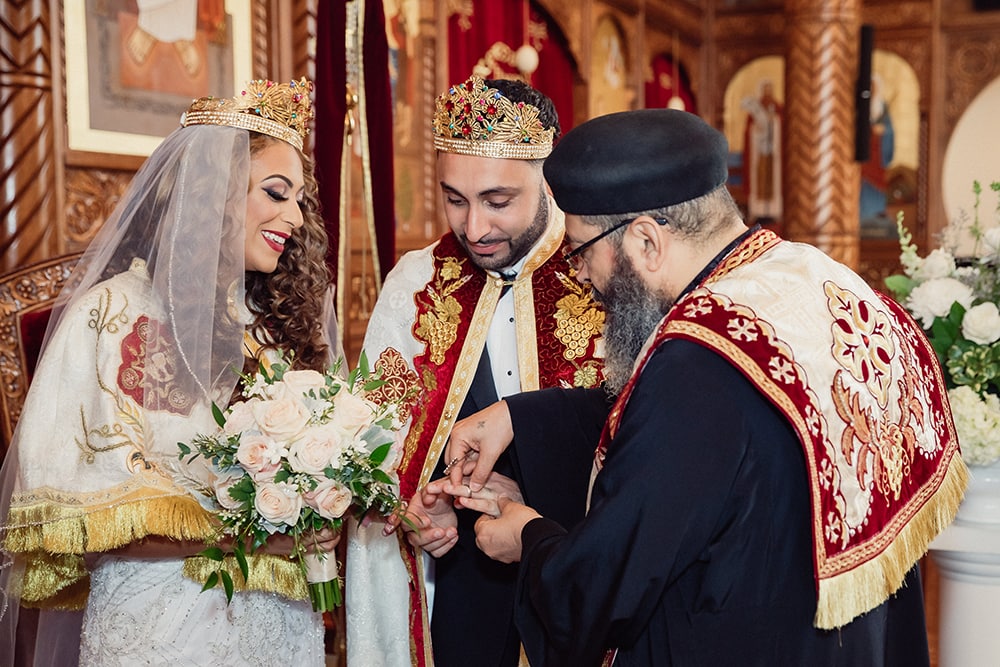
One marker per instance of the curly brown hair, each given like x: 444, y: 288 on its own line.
x: 290, y: 304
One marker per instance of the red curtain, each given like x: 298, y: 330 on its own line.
x: 331, y: 105
x: 470, y: 38
x: 663, y: 86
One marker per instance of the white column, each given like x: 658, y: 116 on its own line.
x: 968, y: 557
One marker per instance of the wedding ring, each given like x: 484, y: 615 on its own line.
x: 452, y: 464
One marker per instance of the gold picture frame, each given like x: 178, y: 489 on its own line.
x: 126, y: 88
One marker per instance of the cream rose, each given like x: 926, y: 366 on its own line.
x: 302, y: 382
x: 330, y: 499
x: 278, y: 503
x: 282, y: 418
x: 935, y: 297
x: 317, y: 448
x: 981, y: 323
x: 351, y: 413
x: 259, y: 454
x: 221, y: 486
x: 240, y: 417
x: 395, y: 454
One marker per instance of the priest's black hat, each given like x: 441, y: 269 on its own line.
x: 636, y: 161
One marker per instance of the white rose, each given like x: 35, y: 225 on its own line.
x: 935, y: 297
x: 278, y: 503
x: 981, y: 324
x: 352, y: 413
x: 317, y: 448
x: 282, y: 418
x: 991, y: 239
x: 938, y: 264
x: 221, y: 486
x: 330, y: 499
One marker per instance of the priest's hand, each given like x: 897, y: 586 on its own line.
x: 500, y: 537
x: 476, y: 443
x: 429, y: 521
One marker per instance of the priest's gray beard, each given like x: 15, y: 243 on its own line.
x: 631, y: 313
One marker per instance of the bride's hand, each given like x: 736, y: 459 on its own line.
x: 486, y: 500
x: 324, y: 541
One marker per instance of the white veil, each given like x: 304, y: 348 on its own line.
x: 183, y: 215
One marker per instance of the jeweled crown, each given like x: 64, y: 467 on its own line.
x: 473, y: 119
x: 281, y: 110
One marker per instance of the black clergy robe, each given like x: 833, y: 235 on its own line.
x: 697, y: 546
x: 472, y: 624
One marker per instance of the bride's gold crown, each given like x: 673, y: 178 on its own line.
x: 473, y: 119
x: 281, y: 110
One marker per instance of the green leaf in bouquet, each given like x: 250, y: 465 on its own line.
x: 241, y: 561
x: 379, y: 454
x: 242, y: 490
x: 314, y: 520
x: 372, y: 385
x: 218, y: 415
x: 259, y: 539
x: 363, y: 364
x: 380, y: 476
x: 185, y: 450
x: 277, y: 371
x: 352, y: 377
x: 211, y: 582
x: 227, y: 585
x: 213, y: 553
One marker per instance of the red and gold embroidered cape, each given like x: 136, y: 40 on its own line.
x: 860, y: 385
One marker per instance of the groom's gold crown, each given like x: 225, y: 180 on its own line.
x: 473, y: 119
x: 281, y: 110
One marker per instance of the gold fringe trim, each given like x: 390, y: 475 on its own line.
x: 62, y: 530
x: 846, y: 596
x: 51, y: 541
x: 267, y: 572
x: 54, y: 581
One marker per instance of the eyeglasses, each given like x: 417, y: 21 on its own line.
x: 575, y: 256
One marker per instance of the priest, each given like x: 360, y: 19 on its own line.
x: 780, y: 453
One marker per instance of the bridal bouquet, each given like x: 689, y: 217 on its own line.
x: 955, y: 301
x: 293, y: 458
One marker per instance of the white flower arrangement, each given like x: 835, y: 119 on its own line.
x: 955, y: 301
x: 293, y: 458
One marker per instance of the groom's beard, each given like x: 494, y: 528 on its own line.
x: 632, y: 312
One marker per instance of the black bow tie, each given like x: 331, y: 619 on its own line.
x: 508, y: 281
